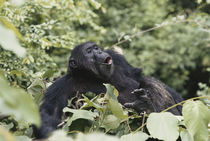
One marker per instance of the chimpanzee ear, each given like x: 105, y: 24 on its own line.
x: 72, y: 64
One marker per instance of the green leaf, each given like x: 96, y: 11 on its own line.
x: 163, y: 126
x: 59, y: 135
x: 1, y: 2
x: 111, y: 122
x: 17, y: 102
x: 95, y: 4
x: 17, y: 73
x: 7, y: 126
x: 23, y: 138
x: 91, y: 103
x: 113, y: 103
x: 9, y: 42
x: 79, y: 114
x: 9, y: 25
x: 140, y: 136
x: 110, y: 90
x: 5, y: 135
x: 199, y: 1
x: 117, y: 109
x: 196, y: 117
x: 95, y: 137
x: 36, y: 87
x: 17, y: 2
x: 185, y: 135
x: 48, y: 74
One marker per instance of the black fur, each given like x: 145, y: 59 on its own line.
x: 90, y: 67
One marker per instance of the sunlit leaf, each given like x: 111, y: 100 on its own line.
x: 196, y: 117
x: 91, y: 103
x: 9, y: 42
x: 1, y: 2
x: 110, y: 91
x: 199, y: 1
x: 117, y: 109
x: 7, y: 126
x: 48, y: 74
x: 17, y: 102
x: 23, y: 138
x: 59, y: 136
x: 5, y: 135
x: 113, y: 103
x: 79, y: 114
x: 140, y: 136
x: 17, y: 73
x: 10, y: 26
x: 185, y: 135
x: 95, y: 4
x: 163, y: 126
x: 95, y: 137
x: 36, y: 87
x: 111, y: 122
x: 17, y: 2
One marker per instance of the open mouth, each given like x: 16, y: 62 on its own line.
x: 108, y: 61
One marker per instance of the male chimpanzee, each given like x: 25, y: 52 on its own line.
x: 90, y: 67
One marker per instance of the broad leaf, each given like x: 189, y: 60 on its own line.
x: 8, y: 38
x: 17, y: 2
x: 91, y: 103
x: 36, y: 87
x: 111, y: 122
x: 95, y: 4
x: 49, y: 73
x: 113, y: 103
x: 185, y: 135
x: 79, y: 114
x: 17, y: 102
x: 5, y: 135
x: 96, y: 137
x: 59, y: 135
x: 163, y: 126
x: 139, y: 136
x: 110, y: 91
x: 23, y: 138
x: 117, y: 109
x: 196, y: 117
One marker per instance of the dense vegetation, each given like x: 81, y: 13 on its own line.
x: 169, y: 39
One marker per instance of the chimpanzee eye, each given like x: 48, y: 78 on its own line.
x: 89, y: 50
x: 96, y: 48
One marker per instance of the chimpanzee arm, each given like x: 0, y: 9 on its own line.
x: 55, y: 100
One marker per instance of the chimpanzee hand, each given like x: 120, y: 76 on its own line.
x: 143, y: 103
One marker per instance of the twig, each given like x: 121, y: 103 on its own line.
x: 137, y: 34
x: 129, y: 128
x: 143, y: 120
x: 157, y: 27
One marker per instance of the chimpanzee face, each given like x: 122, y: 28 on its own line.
x: 94, y: 54
x: 91, y: 57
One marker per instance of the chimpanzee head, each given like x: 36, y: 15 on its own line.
x: 88, y: 58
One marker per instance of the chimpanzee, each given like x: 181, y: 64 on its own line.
x: 90, y: 67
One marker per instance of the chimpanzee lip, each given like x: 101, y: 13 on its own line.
x: 107, y: 61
